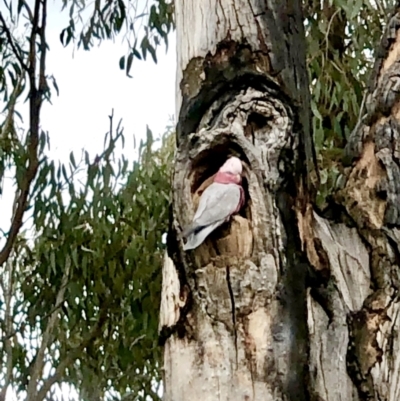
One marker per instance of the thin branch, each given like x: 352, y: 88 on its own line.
x: 8, y: 126
x: 32, y: 42
x: 381, y: 8
x: 23, y: 325
x: 87, y: 36
x: 8, y: 329
x: 11, y: 42
x: 35, y: 103
x: 328, y: 29
x: 28, y: 10
x: 362, y: 107
x: 37, y: 367
x: 43, y: 49
x: 73, y: 354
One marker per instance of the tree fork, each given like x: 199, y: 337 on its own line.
x: 233, y: 313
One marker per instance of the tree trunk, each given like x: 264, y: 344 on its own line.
x: 282, y: 303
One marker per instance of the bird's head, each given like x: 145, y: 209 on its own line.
x: 232, y: 166
x: 232, y: 170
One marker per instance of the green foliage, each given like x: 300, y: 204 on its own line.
x: 341, y: 36
x: 109, y: 225
x: 97, y: 236
x: 80, y: 281
x: 109, y: 18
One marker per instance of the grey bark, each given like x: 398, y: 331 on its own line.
x: 282, y: 303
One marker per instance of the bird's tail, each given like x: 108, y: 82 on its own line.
x: 190, y: 229
x: 197, y: 235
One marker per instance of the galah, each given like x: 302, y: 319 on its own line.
x: 223, y: 198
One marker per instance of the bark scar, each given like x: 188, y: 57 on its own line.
x: 228, y: 280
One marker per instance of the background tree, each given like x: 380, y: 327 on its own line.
x: 80, y: 263
x: 288, y: 301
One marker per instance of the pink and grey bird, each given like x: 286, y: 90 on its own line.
x: 223, y: 198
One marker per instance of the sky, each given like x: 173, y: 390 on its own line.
x: 90, y: 86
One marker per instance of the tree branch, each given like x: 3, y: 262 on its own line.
x: 86, y: 38
x: 42, y: 66
x: 35, y: 103
x: 11, y: 42
x: 8, y: 330
x: 23, y: 325
x: 28, y: 10
x: 37, y: 367
x: 74, y: 353
x: 8, y: 126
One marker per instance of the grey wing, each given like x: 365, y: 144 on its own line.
x: 195, y: 239
x: 217, y: 203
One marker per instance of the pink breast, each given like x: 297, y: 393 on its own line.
x: 227, y: 178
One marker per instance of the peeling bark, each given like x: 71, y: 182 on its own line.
x: 283, y: 302
x: 363, y: 294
